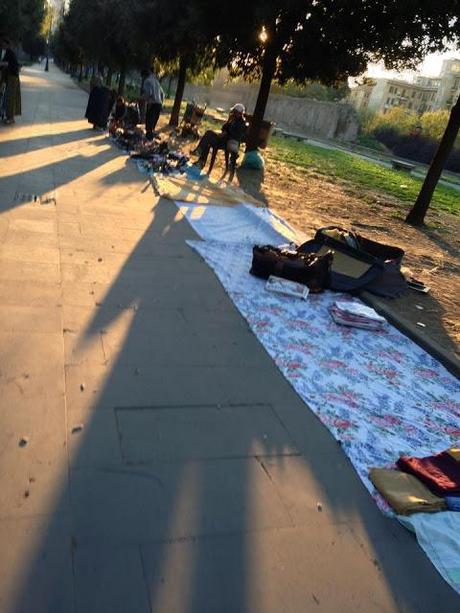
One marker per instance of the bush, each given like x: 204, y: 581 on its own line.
x: 387, y: 135
x: 418, y: 148
x: 369, y: 141
x: 398, y: 118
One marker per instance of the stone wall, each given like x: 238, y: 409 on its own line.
x: 330, y: 120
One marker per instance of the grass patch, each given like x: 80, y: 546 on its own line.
x: 339, y: 166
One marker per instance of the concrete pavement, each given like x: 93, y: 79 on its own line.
x: 153, y: 459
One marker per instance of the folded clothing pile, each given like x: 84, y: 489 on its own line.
x: 356, y: 315
x: 421, y: 485
x: 441, y: 472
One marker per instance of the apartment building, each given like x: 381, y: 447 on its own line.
x: 449, y: 88
x: 421, y: 95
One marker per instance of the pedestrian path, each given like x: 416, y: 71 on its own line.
x: 153, y: 458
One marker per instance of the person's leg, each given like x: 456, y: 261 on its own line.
x: 202, y: 144
x: 10, y: 100
x: 149, y: 121
x: 211, y: 139
x: 155, y: 115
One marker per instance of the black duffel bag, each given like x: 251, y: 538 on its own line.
x: 309, y: 269
x: 358, y: 262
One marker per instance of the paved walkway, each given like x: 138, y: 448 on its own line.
x: 165, y: 465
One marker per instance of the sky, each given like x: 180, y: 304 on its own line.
x: 430, y: 67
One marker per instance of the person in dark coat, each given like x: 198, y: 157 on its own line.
x: 99, y: 104
x: 9, y: 65
x: 234, y: 129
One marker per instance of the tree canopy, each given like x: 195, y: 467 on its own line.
x: 22, y: 19
x: 323, y: 40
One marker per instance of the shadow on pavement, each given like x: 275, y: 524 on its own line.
x: 194, y: 484
x: 189, y: 429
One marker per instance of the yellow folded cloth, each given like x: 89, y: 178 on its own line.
x: 404, y: 492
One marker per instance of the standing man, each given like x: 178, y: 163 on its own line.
x: 153, y: 97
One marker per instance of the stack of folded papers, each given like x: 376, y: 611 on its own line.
x: 356, y: 315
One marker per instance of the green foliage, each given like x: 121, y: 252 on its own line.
x: 369, y: 141
x: 402, y: 120
x: 313, y: 90
x: 434, y: 123
x: 20, y: 18
x: 339, y: 166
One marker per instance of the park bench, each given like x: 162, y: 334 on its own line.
x: 404, y: 166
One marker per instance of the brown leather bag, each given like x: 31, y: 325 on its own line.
x: 309, y: 269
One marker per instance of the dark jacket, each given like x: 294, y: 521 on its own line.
x: 12, y: 70
x: 235, y: 128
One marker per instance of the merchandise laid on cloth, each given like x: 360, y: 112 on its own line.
x: 129, y: 138
x: 441, y: 472
x: 151, y: 156
x: 405, y: 493
x: 379, y: 394
x: 309, y: 269
x: 439, y: 475
x: 157, y: 158
x: 356, y: 315
x: 355, y: 262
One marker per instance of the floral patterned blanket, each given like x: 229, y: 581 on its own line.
x: 378, y: 393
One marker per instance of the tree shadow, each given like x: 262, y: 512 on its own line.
x: 189, y: 451
x: 441, y: 242
x: 194, y: 450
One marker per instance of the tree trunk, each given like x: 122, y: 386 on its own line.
x: 268, y: 71
x: 108, y: 78
x: 174, y: 119
x: 417, y: 214
x: 169, y: 85
x: 122, y: 82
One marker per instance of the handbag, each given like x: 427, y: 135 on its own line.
x: 309, y: 269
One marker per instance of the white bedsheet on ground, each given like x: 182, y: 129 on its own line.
x: 379, y: 393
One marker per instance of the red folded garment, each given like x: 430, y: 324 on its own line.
x: 441, y: 473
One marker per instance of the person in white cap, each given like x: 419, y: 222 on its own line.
x: 232, y: 133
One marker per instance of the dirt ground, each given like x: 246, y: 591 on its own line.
x: 309, y: 201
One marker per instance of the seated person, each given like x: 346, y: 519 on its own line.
x: 118, y: 114
x: 234, y: 129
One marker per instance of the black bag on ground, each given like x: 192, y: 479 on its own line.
x: 358, y: 262
x: 309, y: 269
